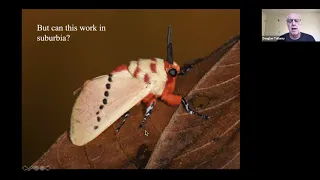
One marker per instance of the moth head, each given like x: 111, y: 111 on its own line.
x: 173, y: 72
x: 172, y: 69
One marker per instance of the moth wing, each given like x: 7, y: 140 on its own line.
x: 99, y: 105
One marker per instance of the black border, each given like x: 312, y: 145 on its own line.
x: 271, y: 81
x: 285, y: 75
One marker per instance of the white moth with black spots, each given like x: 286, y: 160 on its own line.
x: 104, y: 99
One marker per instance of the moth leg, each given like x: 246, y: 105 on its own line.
x: 148, y: 112
x: 190, y: 111
x: 126, y: 115
x: 174, y: 100
x: 185, y: 69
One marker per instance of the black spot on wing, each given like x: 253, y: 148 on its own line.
x: 104, y: 101
x: 110, y: 78
x: 108, y: 86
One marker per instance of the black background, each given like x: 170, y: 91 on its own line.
x: 278, y: 84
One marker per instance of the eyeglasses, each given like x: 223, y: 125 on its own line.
x: 295, y: 20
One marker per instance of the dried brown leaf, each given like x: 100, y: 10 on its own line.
x: 189, y: 142
x: 131, y: 149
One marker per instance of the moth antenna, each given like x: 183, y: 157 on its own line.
x: 169, y: 46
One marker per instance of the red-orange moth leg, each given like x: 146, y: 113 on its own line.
x: 171, y: 99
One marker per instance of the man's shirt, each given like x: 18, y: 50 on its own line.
x: 303, y: 38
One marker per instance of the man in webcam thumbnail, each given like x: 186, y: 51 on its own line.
x: 294, y: 34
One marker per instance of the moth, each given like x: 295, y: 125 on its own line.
x: 106, y: 98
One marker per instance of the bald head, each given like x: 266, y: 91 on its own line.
x: 293, y: 23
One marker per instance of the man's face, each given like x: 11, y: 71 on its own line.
x: 293, y: 23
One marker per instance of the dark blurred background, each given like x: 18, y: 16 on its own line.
x: 51, y: 71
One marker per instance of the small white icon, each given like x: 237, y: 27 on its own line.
x: 36, y: 168
x: 47, y: 168
x: 25, y: 168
